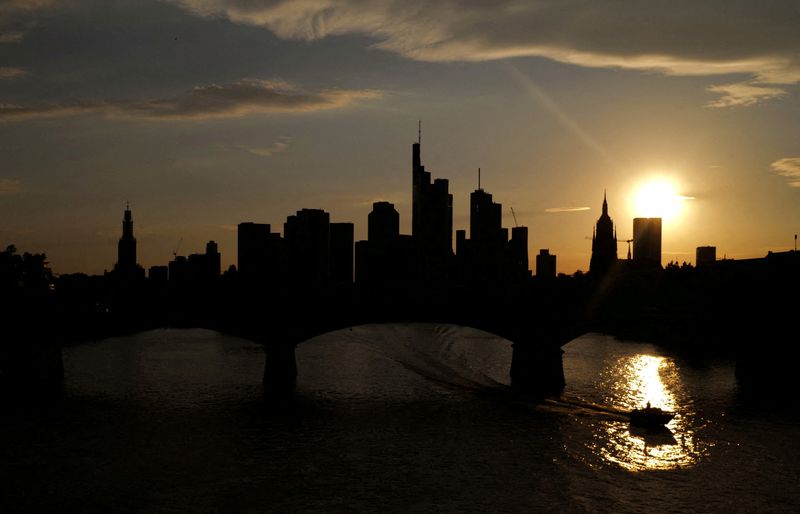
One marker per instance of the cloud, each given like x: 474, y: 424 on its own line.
x: 10, y: 73
x: 237, y: 99
x: 280, y: 145
x: 788, y: 167
x: 16, y: 15
x: 11, y: 36
x: 743, y: 94
x: 680, y: 37
x: 12, y: 6
x: 9, y: 186
x: 565, y: 209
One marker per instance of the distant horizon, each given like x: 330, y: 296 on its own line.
x: 278, y: 228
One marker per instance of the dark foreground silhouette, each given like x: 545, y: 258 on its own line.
x: 733, y: 309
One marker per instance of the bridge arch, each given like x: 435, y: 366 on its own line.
x: 532, y: 370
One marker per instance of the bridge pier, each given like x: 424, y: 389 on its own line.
x: 537, y: 371
x: 280, y: 371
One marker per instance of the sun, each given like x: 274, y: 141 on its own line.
x: 658, y: 198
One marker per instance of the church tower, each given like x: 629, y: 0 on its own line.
x: 604, y: 243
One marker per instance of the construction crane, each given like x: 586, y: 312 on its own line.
x: 629, y: 241
x: 177, y: 247
x: 515, y: 217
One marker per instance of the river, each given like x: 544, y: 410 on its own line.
x: 392, y: 418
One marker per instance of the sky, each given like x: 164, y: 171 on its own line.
x: 206, y: 113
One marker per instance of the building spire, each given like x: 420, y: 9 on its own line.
x: 479, y: 179
x: 605, y: 204
x: 419, y: 132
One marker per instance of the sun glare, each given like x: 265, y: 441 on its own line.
x: 658, y: 199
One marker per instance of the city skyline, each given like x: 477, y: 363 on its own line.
x: 206, y: 114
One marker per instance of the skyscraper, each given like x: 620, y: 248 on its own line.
x: 487, y: 239
x: 545, y: 264
x: 647, y: 240
x: 383, y: 224
x: 341, y: 254
x: 307, y: 235
x: 705, y: 256
x: 604, y: 243
x: 213, y: 259
x: 126, y: 249
x: 485, y: 219
x: 253, y: 246
x: 432, y: 210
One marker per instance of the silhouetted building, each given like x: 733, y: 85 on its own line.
x: 545, y: 264
x: 158, y: 275
x: 705, y: 256
x: 179, y: 275
x: 516, y: 267
x: 485, y: 219
x: 387, y: 258
x: 486, y: 236
x: 432, y: 212
x: 383, y: 223
x: 253, y: 245
x: 647, y: 240
x: 126, y: 268
x: 126, y: 249
x: 214, y: 259
x: 488, y: 254
x: 341, y: 253
x: 604, y: 243
x: 203, y: 269
x: 307, y: 235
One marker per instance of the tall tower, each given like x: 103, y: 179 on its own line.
x: 126, y: 249
x: 421, y: 181
x: 647, y: 241
x: 432, y: 209
x: 604, y: 243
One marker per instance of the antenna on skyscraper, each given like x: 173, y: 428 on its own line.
x: 479, y: 179
x: 419, y: 133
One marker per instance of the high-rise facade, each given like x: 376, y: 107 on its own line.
x: 341, y: 254
x: 432, y: 210
x: 705, y: 256
x: 604, y: 243
x: 647, y: 240
x: 383, y: 224
x: 253, y: 246
x: 545, y: 265
x: 307, y: 235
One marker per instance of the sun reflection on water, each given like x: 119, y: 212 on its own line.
x: 631, y: 383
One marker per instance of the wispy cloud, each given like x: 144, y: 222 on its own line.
x: 237, y: 99
x: 10, y: 186
x: 17, y: 16
x: 680, y: 37
x: 7, y: 72
x: 278, y: 146
x: 788, y: 167
x: 565, y: 209
x: 11, y: 35
x: 743, y: 94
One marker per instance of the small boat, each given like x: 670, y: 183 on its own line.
x: 650, y: 417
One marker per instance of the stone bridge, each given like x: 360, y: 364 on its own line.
x: 537, y: 321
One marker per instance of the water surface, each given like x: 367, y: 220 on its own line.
x: 391, y: 418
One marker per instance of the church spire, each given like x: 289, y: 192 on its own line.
x: 605, y: 204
